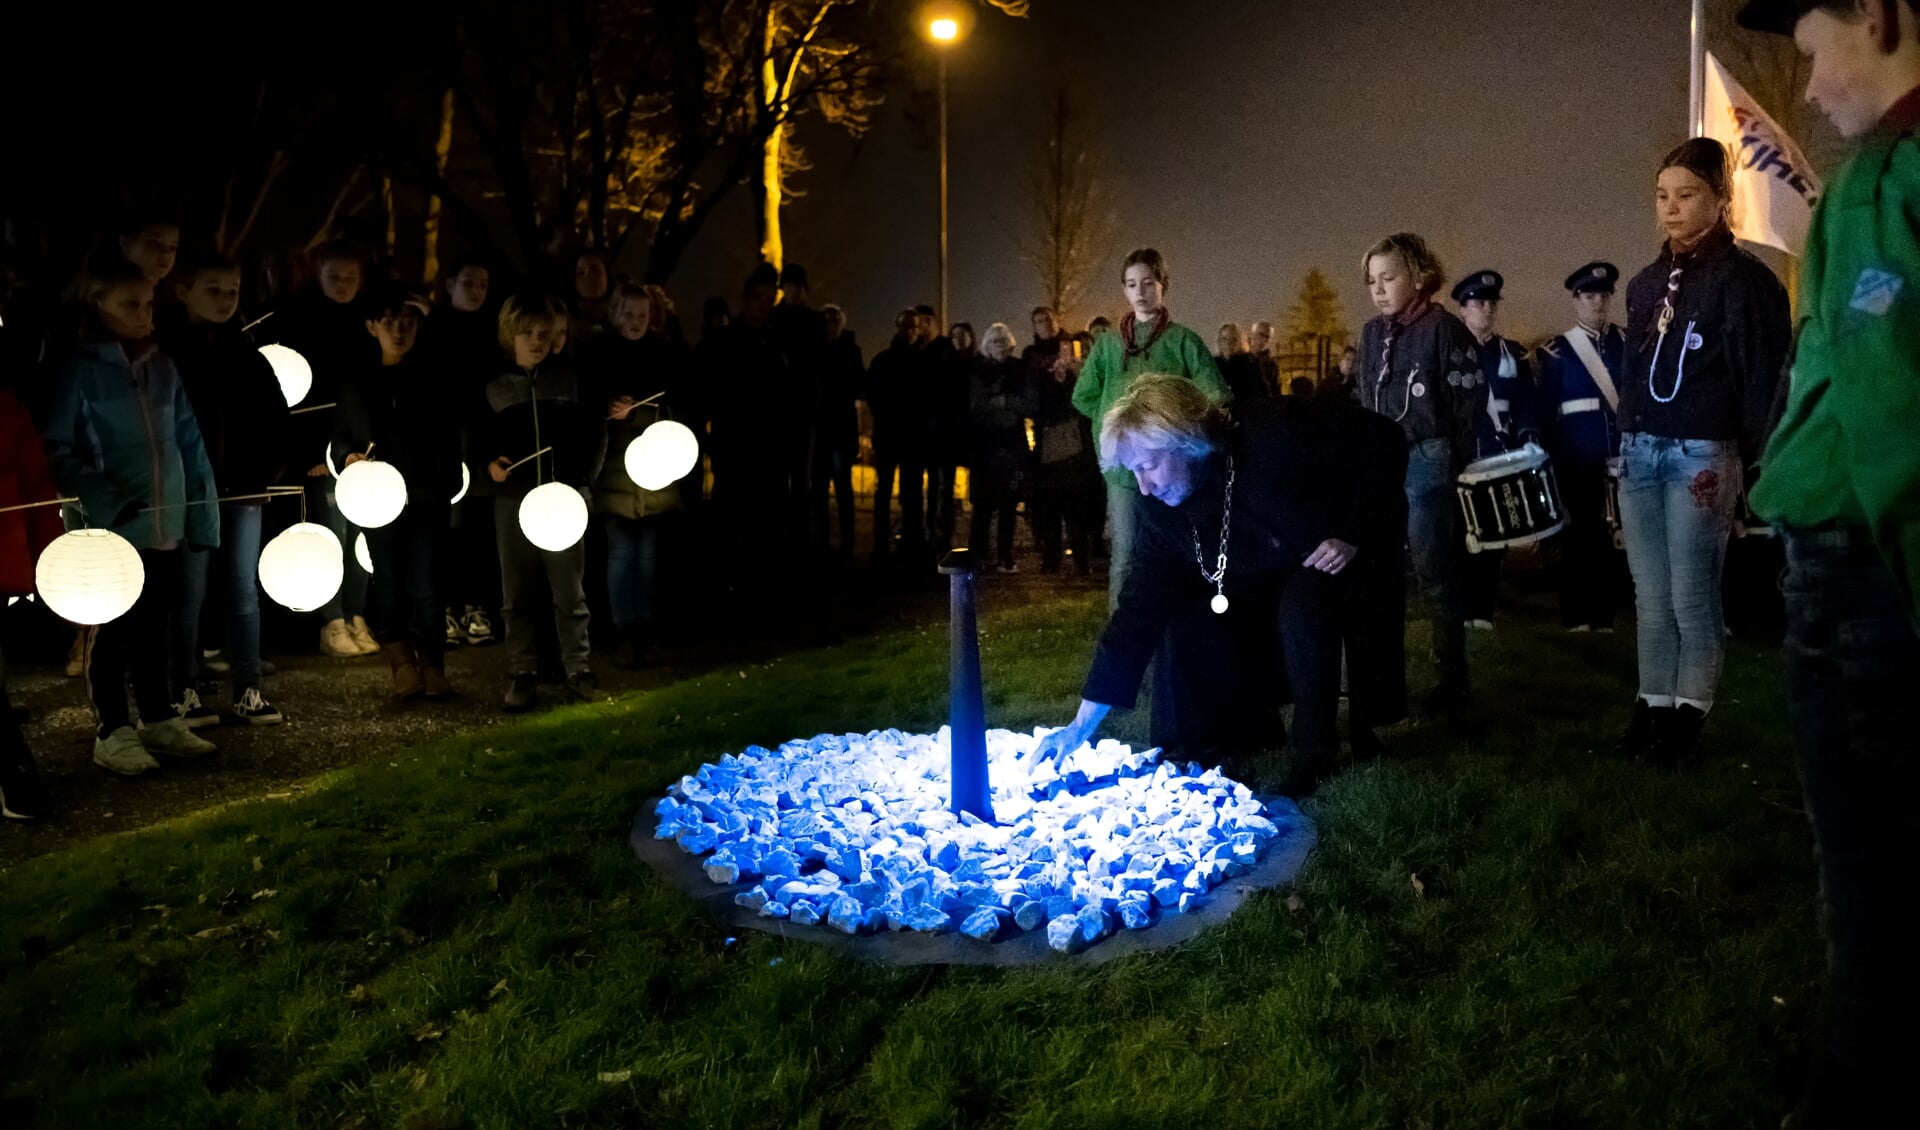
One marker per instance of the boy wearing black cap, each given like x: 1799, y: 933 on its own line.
x: 1841, y: 478
x: 1509, y: 421
x: 1581, y: 372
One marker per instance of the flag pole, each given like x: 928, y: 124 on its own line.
x: 1697, y: 71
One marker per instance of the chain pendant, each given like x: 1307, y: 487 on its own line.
x: 1219, y: 603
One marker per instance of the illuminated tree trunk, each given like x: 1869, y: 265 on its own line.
x: 430, y: 268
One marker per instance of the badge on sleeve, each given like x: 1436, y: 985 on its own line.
x: 1874, y: 291
x: 1695, y: 341
x: 1419, y: 389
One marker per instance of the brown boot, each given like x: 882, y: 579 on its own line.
x: 435, y: 677
x: 408, y: 683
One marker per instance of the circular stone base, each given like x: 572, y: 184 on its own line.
x: 686, y: 873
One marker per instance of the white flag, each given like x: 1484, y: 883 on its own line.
x: 1774, y: 188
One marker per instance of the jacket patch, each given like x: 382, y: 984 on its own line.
x: 1874, y: 291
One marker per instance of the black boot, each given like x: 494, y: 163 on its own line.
x: 1309, y: 769
x: 639, y: 641
x: 1643, y: 731
x: 22, y: 797
x: 1676, y: 737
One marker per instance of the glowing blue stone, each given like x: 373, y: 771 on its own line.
x: 984, y: 924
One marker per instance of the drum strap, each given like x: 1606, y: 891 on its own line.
x: 1597, y: 369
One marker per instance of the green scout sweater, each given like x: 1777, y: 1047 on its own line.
x: 1109, y: 372
x: 1847, y: 451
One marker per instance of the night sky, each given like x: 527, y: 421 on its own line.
x: 1252, y: 139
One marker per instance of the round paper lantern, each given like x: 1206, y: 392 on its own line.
x: 362, y: 554
x: 90, y: 576
x: 466, y: 480
x: 371, y: 493
x: 292, y: 371
x: 553, y: 516
x: 302, y: 567
x: 662, y: 455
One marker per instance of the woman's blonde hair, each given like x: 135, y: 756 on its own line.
x: 1418, y: 257
x: 1161, y: 412
x: 999, y: 332
x: 522, y: 313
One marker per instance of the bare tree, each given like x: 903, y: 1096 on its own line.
x: 1072, y: 222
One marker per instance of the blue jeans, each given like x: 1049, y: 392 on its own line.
x: 1439, y: 553
x: 237, y: 564
x: 351, y: 600
x: 1853, y: 661
x: 1677, y: 499
x: 633, y: 560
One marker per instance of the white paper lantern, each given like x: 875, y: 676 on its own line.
x: 302, y: 567
x: 90, y: 576
x: 371, y: 493
x: 466, y: 480
x: 362, y: 554
x: 662, y: 455
x: 553, y: 516
x: 291, y: 370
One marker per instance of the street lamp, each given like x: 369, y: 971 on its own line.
x: 946, y: 24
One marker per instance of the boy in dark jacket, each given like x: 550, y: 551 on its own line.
x: 539, y: 405
x: 1419, y: 367
x: 398, y: 409
x: 461, y: 341
x: 244, y: 424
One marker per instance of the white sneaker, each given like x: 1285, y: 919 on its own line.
x: 121, y: 752
x: 455, y: 637
x: 172, y: 737
x: 255, y: 710
x: 1480, y: 625
x: 1580, y: 629
x: 363, y: 636
x: 336, y: 640
x: 479, y: 629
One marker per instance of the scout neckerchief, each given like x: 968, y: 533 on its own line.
x: 1160, y: 323
x: 1411, y: 315
x: 1713, y: 245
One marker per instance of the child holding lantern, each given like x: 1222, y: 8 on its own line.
x: 121, y: 437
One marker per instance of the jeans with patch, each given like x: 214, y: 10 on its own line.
x: 1439, y: 553
x: 1677, y: 500
x: 1853, y: 661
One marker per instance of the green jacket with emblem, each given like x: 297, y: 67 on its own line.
x: 1110, y: 370
x: 1847, y: 450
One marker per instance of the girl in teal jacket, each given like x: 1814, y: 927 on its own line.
x: 121, y: 437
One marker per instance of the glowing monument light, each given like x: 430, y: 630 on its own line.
x: 90, y: 576
x: 662, y: 455
x: 302, y: 567
x: 371, y: 493
x: 291, y: 370
x: 553, y: 516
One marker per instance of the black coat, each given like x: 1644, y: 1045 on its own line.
x: 237, y: 399
x: 1305, y: 470
x: 842, y: 377
x: 1430, y: 380
x: 1737, y: 312
x: 551, y: 407
x: 401, y: 410
x: 1002, y: 400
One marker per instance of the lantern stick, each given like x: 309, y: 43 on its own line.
x: 256, y: 321
x: 42, y: 502
x: 535, y: 455
x: 314, y: 408
x: 270, y: 492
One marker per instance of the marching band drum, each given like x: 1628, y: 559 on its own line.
x: 1510, y: 499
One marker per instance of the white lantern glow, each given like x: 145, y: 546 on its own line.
x: 662, y: 455
x: 302, y: 567
x: 466, y: 480
x: 362, y: 554
x: 371, y: 493
x: 90, y: 576
x: 291, y: 370
x: 553, y: 516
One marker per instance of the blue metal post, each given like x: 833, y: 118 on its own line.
x: 967, y: 720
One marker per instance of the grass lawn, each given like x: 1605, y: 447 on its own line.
x: 462, y: 937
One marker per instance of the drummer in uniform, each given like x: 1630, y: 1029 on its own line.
x: 1581, y: 372
x: 1509, y: 421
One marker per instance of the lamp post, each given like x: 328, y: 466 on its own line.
x: 945, y: 28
